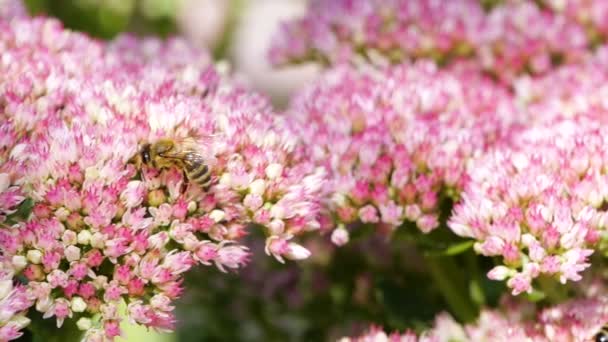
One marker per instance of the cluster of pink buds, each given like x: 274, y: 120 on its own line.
x: 539, y: 203
x: 567, y: 91
x: 592, y: 14
x: 396, y: 28
x: 14, y: 303
x: 395, y: 142
x: 104, y: 230
x: 512, y: 37
x: 574, y: 320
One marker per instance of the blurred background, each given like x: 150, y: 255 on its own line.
x: 235, y: 30
x: 336, y: 292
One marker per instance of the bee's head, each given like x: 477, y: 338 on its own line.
x: 145, y: 153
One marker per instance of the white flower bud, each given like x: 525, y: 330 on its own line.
x: 276, y: 227
x: 69, y: 237
x: 257, y: 187
x: 277, y: 211
x: 20, y: 322
x: 34, y: 256
x: 84, y: 237
x: 100, y: 281
x: 217, y: 215
x: 72, y: 253
x: 84, y: 323
x: 62, y: 214
x: 225, y: 179
x: 78, y: 304
x: 296, y: 252
x: 97, y: 240
x: 44, y: 304
x: 340, y: 236
x: 191, y: 206
x: 5, y: 181
x: 274, y: 170
x: 499, y: 273
x: 339, y: 199
x: 6, y: 286
x: 19, y: 262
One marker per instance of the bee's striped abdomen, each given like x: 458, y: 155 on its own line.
x: 197, y: 171
x: 200, y: 175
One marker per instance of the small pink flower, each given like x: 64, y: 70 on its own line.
x: 232, y: 256
x: 368, y: 214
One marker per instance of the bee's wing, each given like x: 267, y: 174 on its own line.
x: 185, y: 149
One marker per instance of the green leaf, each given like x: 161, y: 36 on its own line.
x: 476, y: 293
x: 23, y: 212
x: 535, y: 296
x: 459, y: 248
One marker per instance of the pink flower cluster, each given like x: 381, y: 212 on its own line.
x: 14, y: 303
x: 539, y: 203
x: 592, y: 14
x: 397, y: 28
x: 73, y: 112
x: 575, y: 320
x: 395, y: 142
x: 567, y: 91
x: 512, y: 37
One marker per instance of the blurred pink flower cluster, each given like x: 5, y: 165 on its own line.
x: 395, y: 142
x: 575, y: 320
x: 512, y: 37
x: 567, y: 91
x: 74, y: 111
x: 540, y: 202
x: 592, y: 14
x: 538, y: 205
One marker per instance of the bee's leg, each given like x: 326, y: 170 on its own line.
x: 186, y: 182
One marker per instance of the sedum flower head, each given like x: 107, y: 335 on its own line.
x: 14, y: 303
x: 103, y: 230
x: 395, y: 142
x: 539, y: 203
x: 513, y: 37
x: 575, y: 320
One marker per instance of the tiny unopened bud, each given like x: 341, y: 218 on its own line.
x: 72, y: 253
x: 62, y: 214
x: 100, y: 281
x: 274, y: 170
x: 84, y: 237
x: 20, y: 322
x: 69, y: 237
x: 19, y: 262
x: 78, y: 304
x: 225, y: 179
x: 97, y: 241
x: 277, y: 211
x: 34, y: 256
x: 296, y: 252
x: 5, y: 288
x: 499, y: 273
x: 191, y: 206
x: 340, y: 236
x: 257, y: 187
x: 84, y: 323
x: 217, y: 215
x: 276, y: 227
x: 156, y: 197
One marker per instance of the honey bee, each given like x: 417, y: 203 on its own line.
x: 185, y: 154
x: 602, y: 335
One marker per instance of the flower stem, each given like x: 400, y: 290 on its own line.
x: 448, y: 278
x: 554, y: 291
